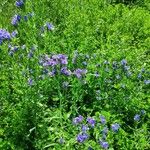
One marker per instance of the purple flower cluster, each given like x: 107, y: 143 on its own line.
x: 19, y: 3
x: 15, y: 20
x: 14, y: 33
x: 103, y: 120
x: 59, y: 59
x: 137, y: 117
x: 147, y: 82
x: 4, y: 35
x: 49, y: 26
x: 82, y: 137
x: 78, y: 120
x: 115, y: 127
x: 65, y: 71
x: 91, y: 121
x: 104, y: 144
x: 80, y: 72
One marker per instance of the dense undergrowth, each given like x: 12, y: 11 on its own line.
x: 74, y: 75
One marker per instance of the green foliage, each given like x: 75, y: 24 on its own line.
x: 110, y: 40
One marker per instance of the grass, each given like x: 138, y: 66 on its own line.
x: 103, y: 72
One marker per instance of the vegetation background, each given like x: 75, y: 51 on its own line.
x: 109, y: 40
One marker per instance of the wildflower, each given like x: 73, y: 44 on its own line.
x: 63, y: 59
x: 105, y: 130
x: 139, y: 76
x: 137, y: 117
x: 147, y: 82
x: 49, y: 26
x: 19, y: 3
x: 80, y: 72
x: 84, y: 128
x: 14, y: 33
x: 82, y: 137
x: 91, y: 121
x: 52, y: 73
x: 103, y: 120
x: 126, y: 68
x: 50, y: 62
x: 115, y: 127
x: 123, y: 62
x: 15, y: 20
x: 104, y: 144
x: 30, y: 81
x: 15, y: 48
x: 65, y: 71
x: 4, y: 35
x: 96, y: 74
x: 78, y: 119
x: 30, y: 55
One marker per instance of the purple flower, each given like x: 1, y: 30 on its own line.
x: 147, y: 82
x: 4, y: 35
x: 96, y: 74
x: 137, y: 117
x: 84, y: 128
x: 52, y: 73
x: 139, y: 76
x: 91, y: 121
x: 103, y: 120
x: 126, y: 68
x: 78, y: 120
x: 19, y: 3
x: 49, y: 26
x: 15, y: 48
x: 30, y: 81
x: 30, y: 55
x: 63, y: 59
x: 105, y: 130
x: 50, y: 62
x: 65, y: 71
x: 14, y: 33
x: 82, y: 137
x: 80, y: 72
x: 104, y: 144
x: 15, y: 20
x: 123, y: 62
x: 115, y: 127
